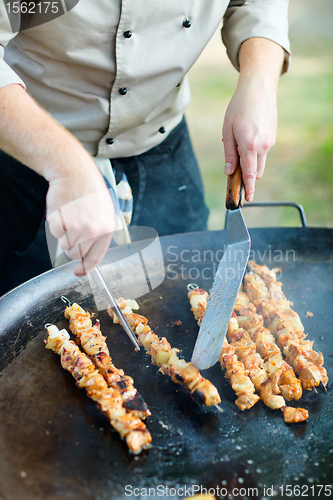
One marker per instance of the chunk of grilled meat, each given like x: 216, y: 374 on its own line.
x: 109, y: 400
x: 94, y: 344
x: 269, y: 393
x: 309, y: 374
x: 268, y: 275
x: 255, y: 287
x: 294, y: 415
x: 180, y: 372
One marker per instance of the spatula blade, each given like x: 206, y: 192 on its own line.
x: 223, y: 294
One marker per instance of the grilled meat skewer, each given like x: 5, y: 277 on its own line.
x: 236, y: 374
x: 109, y: 400
x: 245, y: 368
x: 94, y: 344
x: 285, y: 325
x: 162, y: 355
x: 278, y: 370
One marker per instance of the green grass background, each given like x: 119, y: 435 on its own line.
x: 300, y: 166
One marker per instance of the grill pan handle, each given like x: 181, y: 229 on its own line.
x: 276, y: 204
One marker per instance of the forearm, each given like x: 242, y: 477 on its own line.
x: 34, y: 138
x: 260, y: 58
x: 76, y: 188
x: 249, y: 127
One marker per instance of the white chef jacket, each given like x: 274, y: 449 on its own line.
x: 113, y: 72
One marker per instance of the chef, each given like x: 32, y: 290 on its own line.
x: 90, y: 91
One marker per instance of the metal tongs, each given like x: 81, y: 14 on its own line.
x: 100, y: 282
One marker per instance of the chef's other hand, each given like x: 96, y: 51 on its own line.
x: 250, y: 122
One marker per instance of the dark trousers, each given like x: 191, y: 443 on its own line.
x: 167, y: 195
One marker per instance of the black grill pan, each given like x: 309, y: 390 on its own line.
x: 54, y: 444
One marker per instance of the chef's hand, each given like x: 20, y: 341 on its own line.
x: 79, y: 209
x: 80, y: 215
x: 250, y: 121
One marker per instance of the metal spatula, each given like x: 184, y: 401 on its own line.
x: 227, y: 280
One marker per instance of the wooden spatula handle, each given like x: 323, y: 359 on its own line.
x: 235, y: 190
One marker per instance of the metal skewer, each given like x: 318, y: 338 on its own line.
x: 99, y: 280
x: 66, y: 300
x: 112, y: 302
x: 192, y: 286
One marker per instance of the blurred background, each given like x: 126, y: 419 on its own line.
x: 300, y: 166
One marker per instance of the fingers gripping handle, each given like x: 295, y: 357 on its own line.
x: 235, y: 190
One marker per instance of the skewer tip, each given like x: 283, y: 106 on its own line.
x: 66, y: 300
x: 218, y: 408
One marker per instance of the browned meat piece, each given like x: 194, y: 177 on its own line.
x: 138, y: 440
x: 111, y: 403
x: 310, y: 375
x: 241, y: 343
x: 289, y: 385
x: 243, y: 305
x: 252, y: 323
x: 255, y: 287
x: 284, y: 318
x: 270, y: 397
x: 254, y: 364
x: 268, y: 275
x: 294, y: 415
x: 160, y: 351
